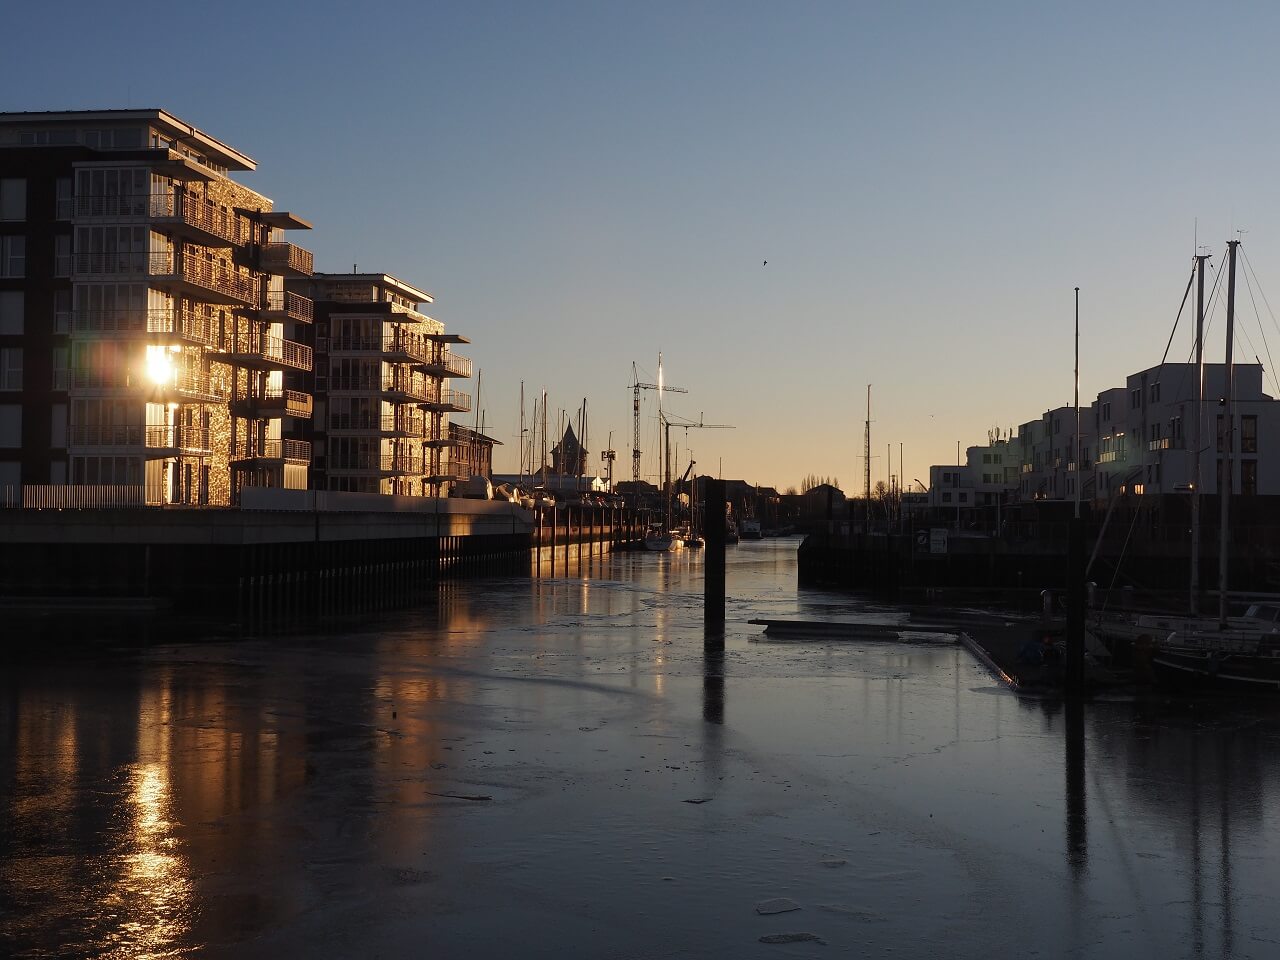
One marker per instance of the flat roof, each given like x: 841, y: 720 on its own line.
x: 179, y: 129
x: 382, y: 279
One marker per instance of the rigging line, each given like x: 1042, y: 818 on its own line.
x: 1263, y: 333
x: 1266, y: 347
x: 1261, y: 292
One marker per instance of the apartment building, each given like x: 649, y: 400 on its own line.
x: 382, y: 393
x: 1154, y: 443
x: 145, y: 331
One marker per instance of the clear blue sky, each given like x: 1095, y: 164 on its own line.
x: 582, y: 185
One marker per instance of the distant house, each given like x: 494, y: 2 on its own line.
x: 471, y: 454
x: 821, y: 504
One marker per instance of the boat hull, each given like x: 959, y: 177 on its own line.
x: 1190, y: 667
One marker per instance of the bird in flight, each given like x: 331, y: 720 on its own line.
x: 765, y: 264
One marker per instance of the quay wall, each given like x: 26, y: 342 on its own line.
x: 293, y: 554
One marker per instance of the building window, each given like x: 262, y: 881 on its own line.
x: 986, y: 458
x: 10, y: 425
x: 61, y: 368
x: 1155, y: 392
x: 946, y: 497
x: 62, y: 255
x: 11, y: 368
x: 1221, y: 434
x: 13, y: 256
x: 62, y: 199
x: 1249, y: 476
x: 11, y: 308
x: 964, y: 498
x: 1249, y: 434
x: 1106, y: 410
x: 1135, y: 399
x: 13, y: 198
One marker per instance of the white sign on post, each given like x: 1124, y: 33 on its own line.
x: 938, y: 540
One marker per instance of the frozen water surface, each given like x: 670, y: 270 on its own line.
x: 514, y: 773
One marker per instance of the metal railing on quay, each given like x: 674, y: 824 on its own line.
x: 82, y: 496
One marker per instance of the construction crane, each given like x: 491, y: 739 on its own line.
x: 636, y: 387
x: 668, y: 423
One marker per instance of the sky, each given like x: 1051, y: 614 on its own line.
x: 584, y: 185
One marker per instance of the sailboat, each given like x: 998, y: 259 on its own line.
x: 658, y: 535
x: 1241, y: 651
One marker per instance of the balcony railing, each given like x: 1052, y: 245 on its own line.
x: 290, y: 451
x: 210, y: 224
x: 455, y: 365
x: 178, y: 439
x: 461, y: 469
x: 279, y: 401
x: 180, y: 324
x: 287, y: 258
x: 398, y: 344
x: 270, y: 352
x: 106, y: 435
x: 1163, y: 443
x: 285, y: 305
x: 180, y: 386
x: 206, y: 277
x: 454, y: 401
x: 1111, y: 456
x: 193, y: 216
x: 388, y: 463
x: 388, y: 424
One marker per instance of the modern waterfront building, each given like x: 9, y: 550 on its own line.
x: 1152, y: 449
x: 383, y: 370
x: 1135, y: 439
x: 145, y: 332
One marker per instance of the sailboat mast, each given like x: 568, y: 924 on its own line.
x: 1197, y: 438
x: 521, y: 433
x: 1228, y: 440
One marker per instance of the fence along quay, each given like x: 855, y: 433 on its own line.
x: 290, y: 555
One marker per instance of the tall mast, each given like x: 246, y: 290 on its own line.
x: 866, y: 463
x: 1228, y: 440
x: 1197, y: 438
x: 521, y: 451
x: 544, y: 438
x: 1077, y: 404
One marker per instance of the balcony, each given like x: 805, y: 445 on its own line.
x: 269, y: 353
x: 281, y: 305
x: 400, y: 464
x: 396, y: 386
x: 180, y: 386
x: 106, y: 435
x: 201, y: 280
x: 387, y: 464
x: 187, y: 216
x: 406, y: 422
x: 205, y: 280
x: 288, y: 259
x: 447, y: 364
x: 159, y: 326
x: 287, y: 451
x: 1111, y: 456
x: 196, y: 219
x: 275, y: 402
x: 448, y: 401
x: 163, y: 442
x: 1164, y: 443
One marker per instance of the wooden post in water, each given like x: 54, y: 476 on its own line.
x: 713, y: 562
x: 1075, y: 672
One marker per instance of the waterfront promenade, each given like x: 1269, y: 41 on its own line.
x: 556, y: 767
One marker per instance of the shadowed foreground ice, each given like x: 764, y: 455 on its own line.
x: 555, y: 769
